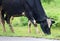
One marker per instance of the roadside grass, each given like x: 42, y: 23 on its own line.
x: 23, y: 32
x: 52, y: 10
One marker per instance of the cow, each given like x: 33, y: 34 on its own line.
x: 33, y: 11
x: 29, y: 23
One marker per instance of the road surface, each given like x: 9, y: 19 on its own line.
x: 24, y: 39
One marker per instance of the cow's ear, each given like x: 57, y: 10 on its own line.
x: 52, y: 21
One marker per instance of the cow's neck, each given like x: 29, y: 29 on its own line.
x: 39, y: 11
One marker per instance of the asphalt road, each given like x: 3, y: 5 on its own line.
x: 24, y: 39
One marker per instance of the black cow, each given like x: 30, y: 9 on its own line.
x: 8, y: 15
x: 33, y: 11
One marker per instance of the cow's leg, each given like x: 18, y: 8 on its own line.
x: 0, y: 13
x: 3, y: 21
x: 29, y: 26
x: 30, y: 17
x: 11, y: 19
x: 11, y: 27
x: 29, y: 13
x: 3, y: 24
x: 9, y: 22
x: 36, y: 28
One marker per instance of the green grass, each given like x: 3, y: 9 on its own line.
x: 21, y: 29
x: 23, y: 32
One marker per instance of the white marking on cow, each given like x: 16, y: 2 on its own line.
x: 34, y: 21
x: 49, y: 22
x: 23, y: 13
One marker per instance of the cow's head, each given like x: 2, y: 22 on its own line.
x: 46, y: 24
